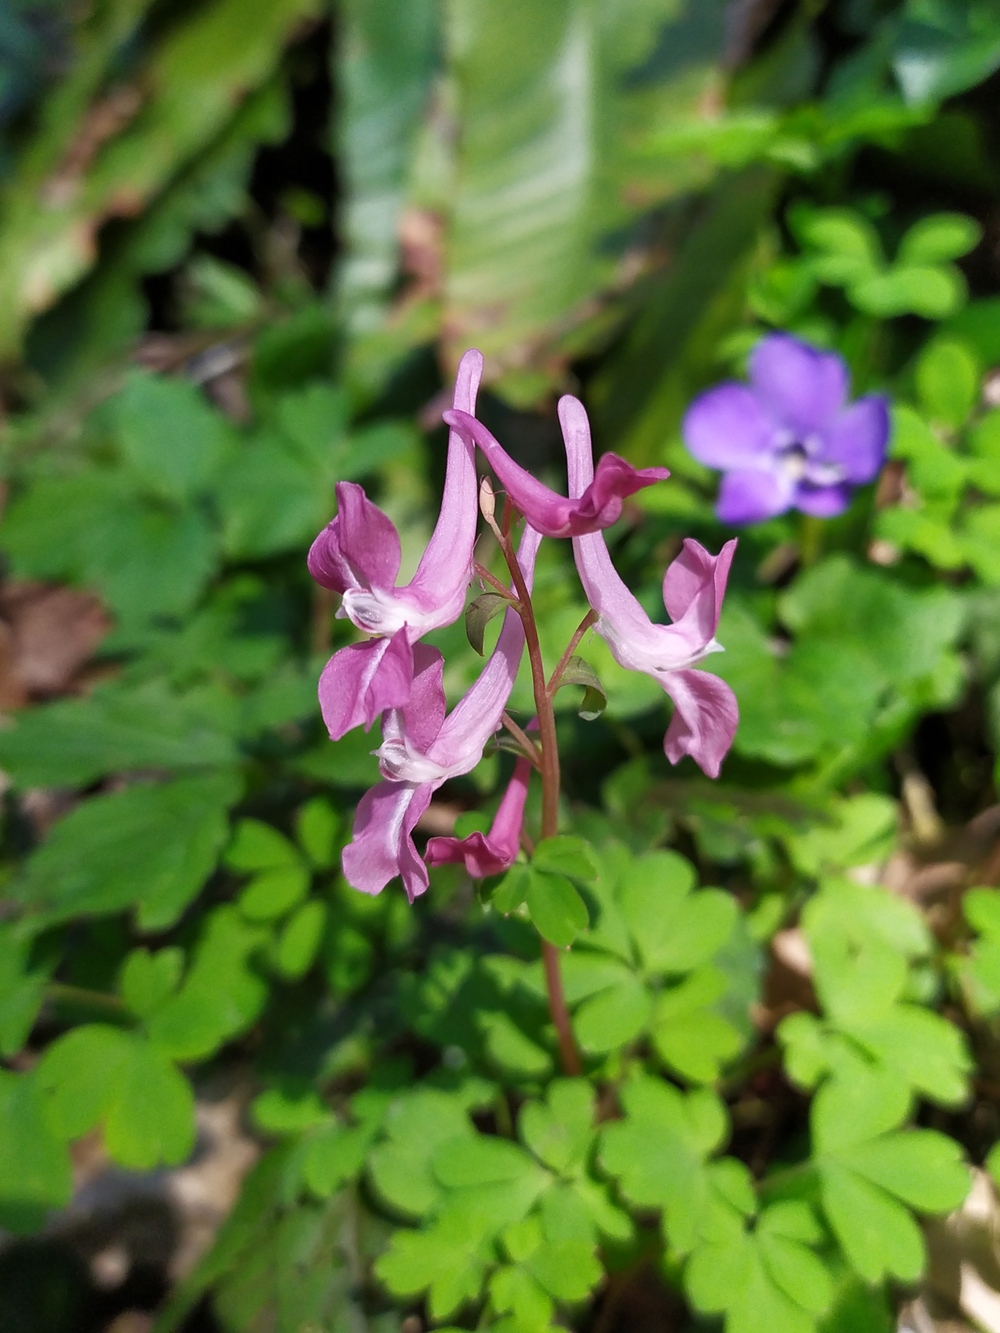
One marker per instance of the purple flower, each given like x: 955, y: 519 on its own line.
x: 358, y: 555
x: 494, y: 852
x: 552, y: 514
x: 422, y: 747
x: 705, y: 710
x: 789, y: 439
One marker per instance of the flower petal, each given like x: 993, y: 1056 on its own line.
x: 727, y: 427
x: 363, y: 680
x: 751, y: 495
x: 857, y: 439
x: 695, y: 584
x: 704, y: 721
x: 382, y: 845
x: 494, y: 852
x: 424, y: 709
x: 459, y: 743
x: 802, y: 387
x: 445, y: 568
x: 548, y: 512
x: 359, y: 548
x: 822, y: 501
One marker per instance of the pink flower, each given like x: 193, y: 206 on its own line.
x: 705, y: 710
x: 553, y: 515
x: 422, y: 747
x: 358, y: 555
x: 494, y: 852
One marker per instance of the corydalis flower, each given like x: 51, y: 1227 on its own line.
x: 705, y: 710
x: 552, y: 514
x: 422, y: 747
x: 789, y: 439
x: 496, y: 851
x: 358, y: 555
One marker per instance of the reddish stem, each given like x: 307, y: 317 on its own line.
x: 550, y: 794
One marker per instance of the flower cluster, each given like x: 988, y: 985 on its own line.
x: 394, y: 675
x: 789, y: 439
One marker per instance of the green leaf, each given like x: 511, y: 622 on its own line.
x: 923, y: 1168
x: 300, y: 939
x: 595, y: 699
x: 444, y: 1259
x: 22, y: 990
x: 939, y: 237
x: 75, y: 741
x: 35, y: 1172
x: 221, y: 995
x: 797, y: 1272
x: 559, y: 1131
x: 150, y: 846
x: 317, y: 827
x: 511, y: 1049
x: 615, y: 1017
x: 289, y: 1108
x: 860, y: 1105
x: 147, y: 979
x: 512, y: 890
x: 673, y: 929
x: 658, y: 1153
x: 273, y: 893
x: 270, y: 499
x: 566, y: 855
x: 689, y: 1035
x: 515, y: 1291
x: 100, y: 1074
x: 556, y: 908
x: 934, y: 292
x: 259, y: 846
x: 947, y: 377
x: 848, y: 243
x: 170, y: 437
x: 478, y: 614
x: 400, y: 1168
x: 878, y: 1236
x: 476, y: 1160
x: 568, y: 1270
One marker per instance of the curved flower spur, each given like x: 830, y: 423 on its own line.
x: 358, y: 555
x: 705, y: 709
x: 789, y: 439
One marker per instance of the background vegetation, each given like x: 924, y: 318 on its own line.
x: 242, y: 247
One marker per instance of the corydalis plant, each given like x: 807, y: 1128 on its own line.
x: 394, y: 673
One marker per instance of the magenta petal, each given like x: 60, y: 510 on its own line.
x: 750, y: 496
x: 364, y: 679
x: 727, y: 427
x: 704, y: 720
x: 494, y: 852
x: 548, y: 512
x: 445, y: 568
x: 857, y: 439
x: 359, y: 549
x: 382, y: 845
x: 425, y: 706
x: 601, y: 503
x: 802, y: 386
x: 822, y: 501
x: 695, y: 584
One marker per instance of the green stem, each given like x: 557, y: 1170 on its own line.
x: 58, y: 990
x: 810, y: 540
